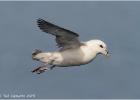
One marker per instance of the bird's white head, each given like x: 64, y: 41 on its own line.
x: 98, y: 46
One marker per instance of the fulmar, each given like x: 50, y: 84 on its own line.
x: 71, y: 51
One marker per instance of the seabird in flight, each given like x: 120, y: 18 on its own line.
x: 71, y: 51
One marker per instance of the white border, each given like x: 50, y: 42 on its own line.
x: 70, y: 0
x: 70, y: 99
x: 60, y: 1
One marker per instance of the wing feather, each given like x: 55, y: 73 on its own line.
x: 64, y: 38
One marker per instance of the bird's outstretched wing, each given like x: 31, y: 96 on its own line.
x: 65, y: 39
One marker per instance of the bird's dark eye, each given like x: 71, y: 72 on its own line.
x: 101, y: 46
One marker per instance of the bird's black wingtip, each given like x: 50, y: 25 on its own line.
x: 40, y: 20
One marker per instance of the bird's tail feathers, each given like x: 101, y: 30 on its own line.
x: 35, y: 53
x: 41, y: 56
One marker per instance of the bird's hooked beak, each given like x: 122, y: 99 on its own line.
x: 107, y: 54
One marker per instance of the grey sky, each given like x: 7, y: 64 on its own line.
x: 116, y: 23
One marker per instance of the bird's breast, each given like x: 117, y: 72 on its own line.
x: 74, y: 57
x: 89, y: 54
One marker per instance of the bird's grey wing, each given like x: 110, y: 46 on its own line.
x: 64, y: 38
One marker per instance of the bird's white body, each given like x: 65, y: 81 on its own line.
x: 72, y: 52
x: 71, y: 57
